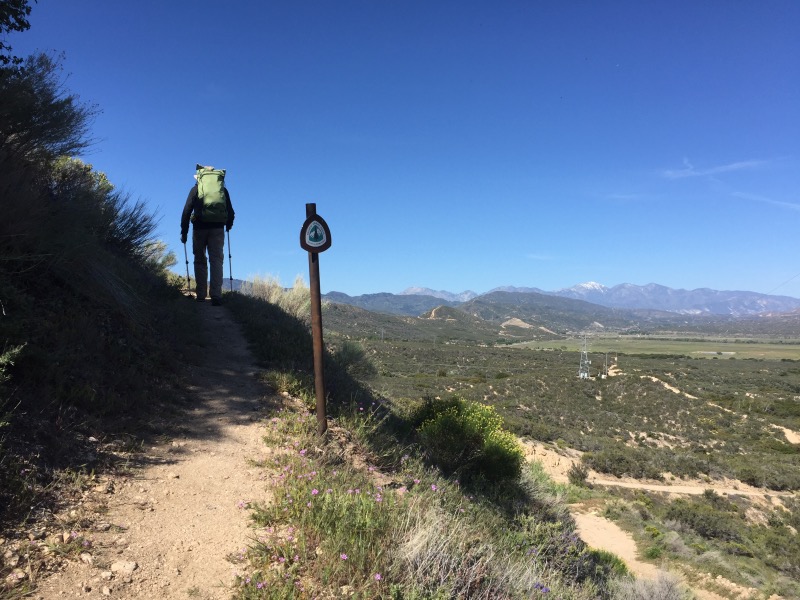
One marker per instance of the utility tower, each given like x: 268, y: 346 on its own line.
x: 583, y: 370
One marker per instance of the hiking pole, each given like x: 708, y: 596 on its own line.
x: 188, y: 283
x: 230, y: 264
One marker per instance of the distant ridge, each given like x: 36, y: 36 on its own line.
x: 411, y: 305
x: 702, y: 301
x: 626, y: 296
x: 449, y: 296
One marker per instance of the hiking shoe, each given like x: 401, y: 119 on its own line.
x: 216, y: 302
x: 199, y: 299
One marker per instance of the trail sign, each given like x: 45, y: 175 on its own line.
x: 315, y: 236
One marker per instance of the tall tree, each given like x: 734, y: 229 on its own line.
x: 13, y: 17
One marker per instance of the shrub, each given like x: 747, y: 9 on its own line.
x: 466, y: 438
x: 705, y: 519
x: 501, y: 458
x: 613, y: 563
x: 577, y: 474
x: 351, y: 357
x: 665, y: 587
x: 620, y: 460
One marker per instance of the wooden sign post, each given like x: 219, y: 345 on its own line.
x: 315, y: 237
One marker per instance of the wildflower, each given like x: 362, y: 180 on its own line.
x: 308, y: 504
x: 260, y: 585
x: 416, y: 481
x: 433, y: 487
x: 303, y: 452
x: 343, y: 556
x: 314, y: 492
x: 378, y: 576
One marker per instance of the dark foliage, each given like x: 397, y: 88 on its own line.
x: 13, y: 17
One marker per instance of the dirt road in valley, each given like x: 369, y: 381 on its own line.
x: 170, y: 527
x: 599, y: 532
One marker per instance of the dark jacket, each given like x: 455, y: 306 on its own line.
x: 194, y: 205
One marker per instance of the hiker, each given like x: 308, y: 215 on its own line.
x: 211, y: 213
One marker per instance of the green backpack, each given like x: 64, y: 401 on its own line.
x: 211, y: 192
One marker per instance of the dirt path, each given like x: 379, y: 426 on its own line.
x: 599, y: 532
x: 174, y: 522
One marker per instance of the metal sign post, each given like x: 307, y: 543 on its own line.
x: 315, y: 237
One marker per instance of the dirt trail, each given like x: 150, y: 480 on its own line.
x: 182, y: 514
x: 599, y: 532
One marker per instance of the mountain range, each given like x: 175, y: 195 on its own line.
x: 702, y: 302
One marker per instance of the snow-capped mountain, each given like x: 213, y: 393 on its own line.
x: 699, y: 301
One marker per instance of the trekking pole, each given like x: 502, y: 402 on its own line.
x: 188, y: 283
x: 230, y: 264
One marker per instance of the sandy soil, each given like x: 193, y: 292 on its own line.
x: 671, y: 388
x: 174, y: 522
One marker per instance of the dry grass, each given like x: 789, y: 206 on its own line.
x: 295, y: 301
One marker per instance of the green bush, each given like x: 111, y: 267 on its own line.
x: 577, y: 474
x: 501, y: 458
x: 706, y: 519
x: 466, y: 438
x: 620, y: 460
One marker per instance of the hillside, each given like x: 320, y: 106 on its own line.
x: 563, y: 315
x: 442, y: 323
x: 411, y: 305
x: 702, y: 301
x: 571, y: 316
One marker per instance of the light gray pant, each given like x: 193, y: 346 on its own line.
x: 214, y: 240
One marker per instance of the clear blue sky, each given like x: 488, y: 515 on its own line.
x: 458, y: 144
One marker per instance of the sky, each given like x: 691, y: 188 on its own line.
x: 456, y: 144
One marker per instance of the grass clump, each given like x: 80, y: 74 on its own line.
x: 295, y: 301
x: 664, y: 587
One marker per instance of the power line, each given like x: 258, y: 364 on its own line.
x: 784, y: 283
